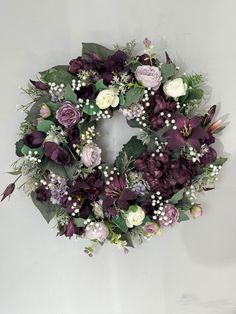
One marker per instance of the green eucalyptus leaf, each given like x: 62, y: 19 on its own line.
x: 91, y: 109
x: 183, y: 216
x: 25, y: 151
x: 133, y: 95
x: 195, y: 94
x: 100, y: 85
x: 79, y: 222
x: 93, y: 48
x: 44, y: 125
x: 167, y: 71
x: 70, y: 95
x: 57, y: 76
x: 177, y: 196
x: 119, y: 221
x: 47, y: 209
x: 19, y: 144
x: 220, y: 161
x: 121, y: 99
x: 128, y: 238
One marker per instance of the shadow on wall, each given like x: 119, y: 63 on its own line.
x: 211, y: 238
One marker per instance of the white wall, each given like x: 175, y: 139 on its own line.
x: 189, y: 269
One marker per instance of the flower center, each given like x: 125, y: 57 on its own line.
x: 186, y: 130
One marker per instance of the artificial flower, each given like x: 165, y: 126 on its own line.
x: 57, y: 153
x: 175, y: 88
x: 8, y: 191
x: 96, y: 231
x: 34, y: 139
x: 196, y: 211
x: 68, y: 115
x: 91, y: 155
x: 107, y: 98
x: 150, y: 76
x: 170, y: 217
x: 45, y: 111
x: 134, y: 216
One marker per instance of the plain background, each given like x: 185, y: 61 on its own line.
x: 189, y: 269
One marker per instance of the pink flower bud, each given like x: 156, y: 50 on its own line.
x: 8, y: 191
x: 196, y: 211
x: 45, y: 111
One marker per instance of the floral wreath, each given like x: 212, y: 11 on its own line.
x: 154, y: 181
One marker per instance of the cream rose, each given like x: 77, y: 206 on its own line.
x: 106, y: 98
x: 91, y: 155
x: 175, y: 88
x: 134, y: 216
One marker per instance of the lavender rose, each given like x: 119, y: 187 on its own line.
x: 149, y: 75
x: 68, y: 115
x: 171, y: 216
x: 97, y: 231
x: 91, y: 155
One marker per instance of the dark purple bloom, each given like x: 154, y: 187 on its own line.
x: 116, y: 62
x: 86, y: 92
x: 56, y: 153
x: 8, y: 191
x: 78, y: 65
x: 42, y: 194
x: 71, y: 229
x: 188, y: 131
x: 40, y: 85
x: 208, y: 157
x: 145, y: 60
x: 34, y: 139
x: 68, y: 115
x: 159, y: 111
x: 117, y: 193
x: 164, y: 174
x: 73, y: 136
x: 89, y: 188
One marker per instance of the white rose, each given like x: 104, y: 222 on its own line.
x: 52, y: 138
x: 91, y: 155
x: 107, y: 98
x: 175, y: 88
x: 134, y: 216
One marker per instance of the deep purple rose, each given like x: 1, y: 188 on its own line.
x: 68, y: 115
x: 86, y: 92
x: 56, y: 153
x: 42, y: 194
x: 116, y: 62
x: 34, y: 139
x: 171, y: 216
x: 72, y: 136
x: 78, y: 65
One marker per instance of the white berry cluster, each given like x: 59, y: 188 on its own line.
x: 33, y: 157
x: 191, y: 194
x: 76, y: 85
x: 56, y: 90
x: 158, y: 203
x: 103, y: 114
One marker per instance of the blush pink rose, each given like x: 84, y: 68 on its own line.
x: 149, y: 75
x: 68, y: 115
x: 97, y: 231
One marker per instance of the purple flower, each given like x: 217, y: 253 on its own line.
x: 68, y: 115
x: 45, y: 111
x: 8, y: 191
x: 97, y: 231
x: 150, y: 76
x: 72, y: 136
x: 164, y: 174
x: 116, y: 62
x: 147, y: 42
x: 116, y: 192
x: 40, y: 85
x: 91, y: 155
x: 208, y: 157
x: 86, y: 92
x: 186, y: 131
x: 34, y: 139
x: 171, y: 216
x: 151, y: 228
x: 89, y: 188
x: 42, y: 194
x: 78, y: 65
x: 146, y: 60
x: 56, y: 153
x: 209, y: 116
x: 71, y: 229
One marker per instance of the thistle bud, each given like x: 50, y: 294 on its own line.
x: 8, y: 191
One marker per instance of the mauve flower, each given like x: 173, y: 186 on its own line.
x: 186, y: 131
x: 151, y: 228
x: 150, y: 76
x: 45, y: 111
x: 71, y: 229
x: 8, y: 191
x: 147, y: 42
x: 196, y: 211
x: 56, y: 153
x: 42, y: 194
x: 96, y: 231
x: 171, y: 216
x: 117, y: 193
x: 68, y: 115
x: 40, y: 85
x: 34, y: 139
x: 91, y: 155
